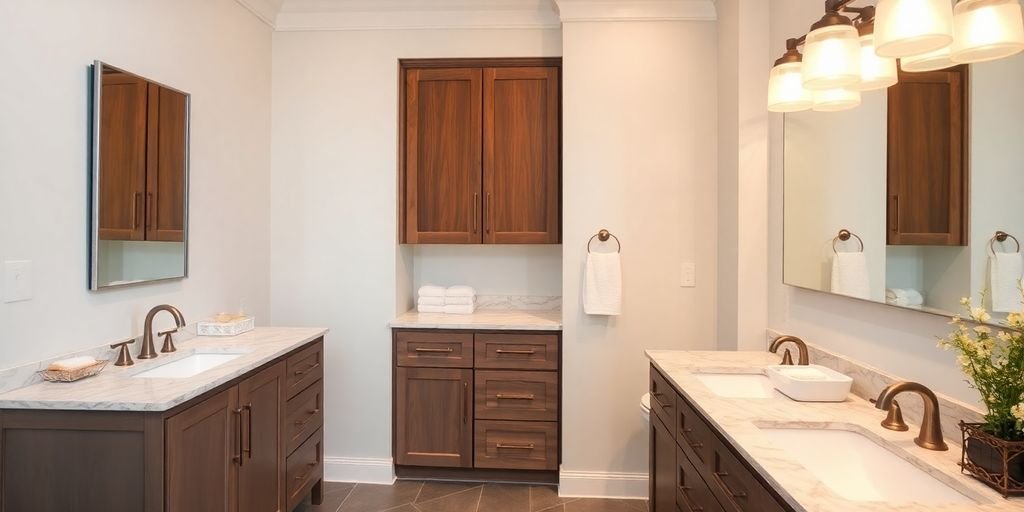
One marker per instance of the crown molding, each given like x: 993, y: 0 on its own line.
x: 308, y: 15
x: 636, y: 10
x: 265, y: 10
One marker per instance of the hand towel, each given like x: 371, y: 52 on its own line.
x: 850, y: 275
x: 1004, y: 281
x: 459, y: 301
x: 460, y: 291
x: 602, y: 287
x: 427, y: 308
x: 903, y: 297
x: 431, y: 291
x: 466, y: 309
x: 71, y: 364
x: 430, y: 301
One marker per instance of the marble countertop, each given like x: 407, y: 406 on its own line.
x: 483, y: 319
x: 116, y: 388
x: 739, y: 420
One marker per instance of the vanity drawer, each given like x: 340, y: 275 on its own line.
x: 693, y: 434
x: 510, y: 395
x: 516, y: 445
x: 304, y: 368
x: 663, y: 399
x: 692, y: 492
x: 737, y: 488
x: 434, y: 349
x: 517, y: 351
x: 303, y: 469
x: 304, y: 414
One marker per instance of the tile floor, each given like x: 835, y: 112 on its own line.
x: 411, y: 496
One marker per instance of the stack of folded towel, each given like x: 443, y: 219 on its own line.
x: 906, y: 297
x: 456, y: 300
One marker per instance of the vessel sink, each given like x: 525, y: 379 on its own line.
x: 738, y: 385
x: 188, y: 366
x: 857, y: 468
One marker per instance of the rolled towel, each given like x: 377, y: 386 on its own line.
x: 466, y: 309
x: 427, y: 308
x: 903, y: 297
x: 459, y: 301
x: 430, y: 301
x: 431, y: 291
x: 460, y: 291
x: 850, y: 275
x: 602, y: 287
x: 71, y: 364
x: 1004, y: 269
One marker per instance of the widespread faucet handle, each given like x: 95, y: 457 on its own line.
x: 124, y: 358
x: 894, y: 419
x: 168, y: 341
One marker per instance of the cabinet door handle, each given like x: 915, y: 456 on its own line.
x: 476, y: 213
x: 248, y: 438
x: 448, y: 350
x: 719, y: 475
x: 490, y: 214
x: 238, y: 431
x: 465, y: 402
x: 896, y: 213
x: 307, y: 370
x: 518, y: 352
x: 135, y: 210
x: 312, y: 414
x: 503, y: 396
x: 514, y: 446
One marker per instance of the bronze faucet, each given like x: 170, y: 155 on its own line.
x: 788, y: 359
x: 148, y: 350
x: 930, y: 436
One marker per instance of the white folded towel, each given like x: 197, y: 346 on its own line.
x: 602, y: 287
x: 430, y: 301
x: 427, y: 308
x: 465, y: 309
x: 459, y: 301
x: 71, y: 364
x: 850, y: 275
x: 460, y: 291
x: 431, y: 291
x: 1004, y: 281
x: 903, y: 297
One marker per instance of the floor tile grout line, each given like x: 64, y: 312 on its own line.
x: 431, y: 500
x: 350, y: 491
x: 480, y: 498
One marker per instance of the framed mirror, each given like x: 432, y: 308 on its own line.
x: 139, y: 180
x: 899, y: 201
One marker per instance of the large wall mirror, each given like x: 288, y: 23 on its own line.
x: 900, y: 200
x: 139, y: 180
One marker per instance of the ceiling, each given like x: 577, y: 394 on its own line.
x: 298, y: 15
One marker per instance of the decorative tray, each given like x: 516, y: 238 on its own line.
x: 73, y: 375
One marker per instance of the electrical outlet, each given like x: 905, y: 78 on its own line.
x: 688, y: 275
x: 17, y: 281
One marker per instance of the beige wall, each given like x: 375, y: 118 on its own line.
x: 213, y: 49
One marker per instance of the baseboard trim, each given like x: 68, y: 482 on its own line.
x: 361, y: 470
x: 600, y: 484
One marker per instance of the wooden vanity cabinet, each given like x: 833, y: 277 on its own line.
x: 928, y: 155
x: 480, y: 151
x: 693, y: 467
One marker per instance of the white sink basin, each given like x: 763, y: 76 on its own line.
x: 858, y: 469
x: 188, y: 366
x: 738, y: 385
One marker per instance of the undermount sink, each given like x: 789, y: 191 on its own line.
x: 738, y: 385
x: 857, y: 468
x: 188, y: 366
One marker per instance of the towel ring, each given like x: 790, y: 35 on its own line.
x: 603, y: 236
x: 1001, y: 237
x: 843, y: 236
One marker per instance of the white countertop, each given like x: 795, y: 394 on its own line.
x: 738, y: 419
x: 115, y: 389
x: 483, y: 319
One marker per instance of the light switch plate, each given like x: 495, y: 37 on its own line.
x: 688, y: 275
x: 17, y: 281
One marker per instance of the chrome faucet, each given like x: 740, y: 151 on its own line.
x: 930, y: 437
x: 788, y: 358
x: 148, y: 350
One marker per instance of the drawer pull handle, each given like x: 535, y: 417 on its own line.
x: 238, y: 458
x: 514, y: 446
x: 683, y: 433
x: 685, y: 491
x: 448, y: 350
x: 658, y: 402
x: 502, y: 396
x: 517, y: 352
x: 312, y: 414
x: 307, y: 370
x: 721, y: 483
x: 305, y: 476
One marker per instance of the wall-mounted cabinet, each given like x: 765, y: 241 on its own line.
x: 481, y: 151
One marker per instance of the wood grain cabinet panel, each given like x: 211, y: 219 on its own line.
x: 260, y: 486
x: 692, y: 493
x: 304, y: 368
x: 165, y: 177
x: 663, y: 467
x: 204, y: 445
x: 516, y: 445
x: 304, y: 467
x: 304, y: 414
x: 928, y: 158
x: 498, y: 351
x: 437, y: 349
x: 122, y: 157
x: 433, y: 418
x: 516, y: 395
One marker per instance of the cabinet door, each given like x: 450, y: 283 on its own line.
x: 165, y: 174
x: 663, y: 467
x: 521, y: 155
x: 442, y: 156
x: 262, y: 464
x: 433, y: 420
x: 203, y: 450
x: 122, y: 157
x: 927, y: 133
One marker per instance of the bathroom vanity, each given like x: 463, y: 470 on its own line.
x: 243, y: 435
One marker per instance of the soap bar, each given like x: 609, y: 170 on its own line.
x: 71, y: 364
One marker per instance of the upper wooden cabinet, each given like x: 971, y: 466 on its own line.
x: 928, y: 158
x: 481, y: 151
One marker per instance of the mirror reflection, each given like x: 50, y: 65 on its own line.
x: 140, y: 179
x: 923, y: 176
